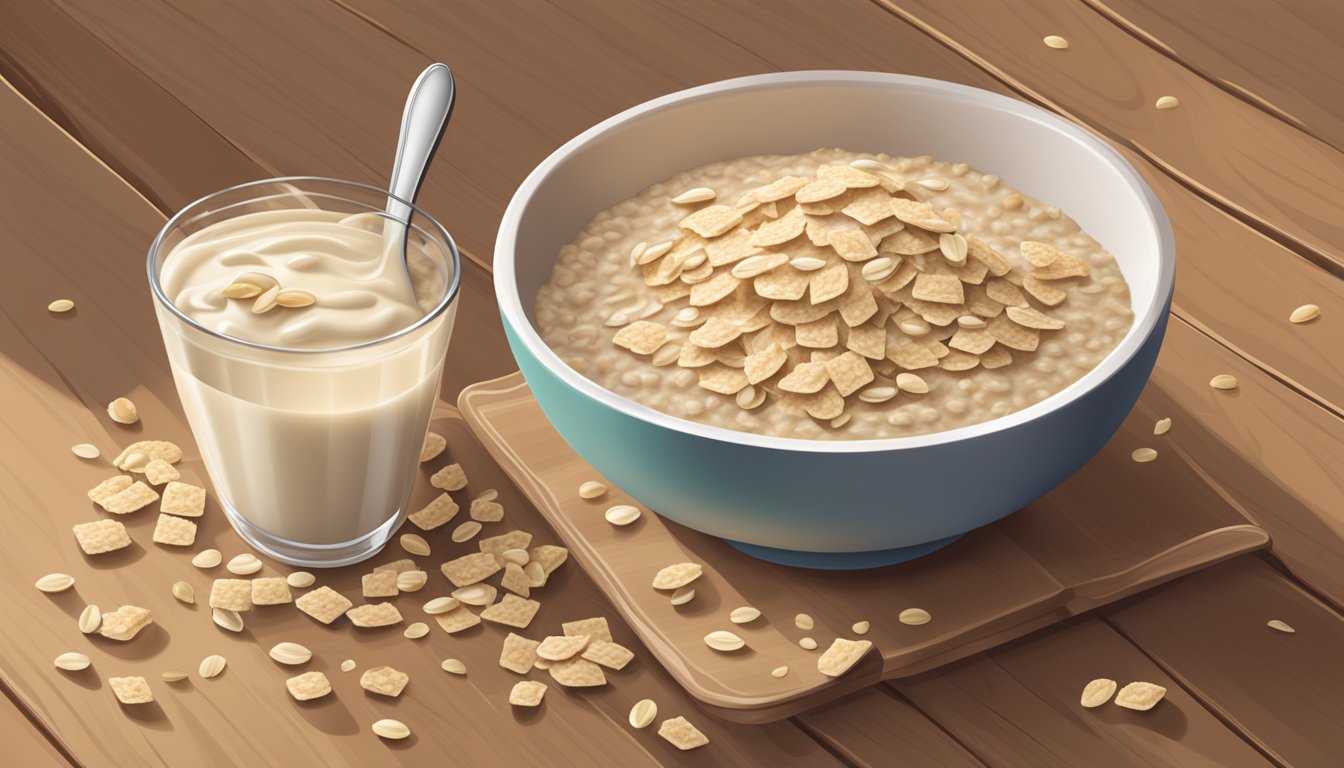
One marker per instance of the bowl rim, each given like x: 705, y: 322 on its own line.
x: 1146, y: 319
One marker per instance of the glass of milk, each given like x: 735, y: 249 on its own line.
x: 309, y: 411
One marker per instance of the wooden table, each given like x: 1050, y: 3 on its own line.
x: 113, y: 115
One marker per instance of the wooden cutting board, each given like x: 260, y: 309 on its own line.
x: 1115, y: 528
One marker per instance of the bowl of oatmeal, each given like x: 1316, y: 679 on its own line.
x: 836, y: 318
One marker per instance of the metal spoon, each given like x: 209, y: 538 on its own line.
x: 429, y: 105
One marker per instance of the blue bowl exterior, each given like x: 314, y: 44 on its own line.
x: 838, y: 502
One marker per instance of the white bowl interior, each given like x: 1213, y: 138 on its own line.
x: 1038, y: 153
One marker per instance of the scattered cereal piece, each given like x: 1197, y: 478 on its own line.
x: 416, y: 631
x: 527, y: 693
x: 158, y: 472
x: 411, y: 581
x: 101, y: 536
x: 678, y: 575
x: 1162, y: 427
x: 72, y: 661
x: 226, y: 619
x: 512, y: 610
x: 450, y: 478
x: 207, y: 558
x: 577, y: 672
x: 134, y: 498
x: 470, y: 569
x: 595, y: 628
x: 475, y: 594
x: 85, y: 451
x: 291, y: 654
x: 324, y: 604
x: 374, y: 615
x: 466, y: 531
x: 414, y: 544
x: 1167, y: 102
x: 174, y: 531
x: 435, y: 513
x: 723, y: 640
x: 173, y: 676
x: 515, y: 580
x: 1224, y: 381
x: 1305, y: 314
x: 486, y: 511
x: 683, y: 595
x: 388, y: 728
x: 842, y: 655
x: 592, y: 489
x: 184, y: 592
x: 55, y: 582
x: 397, y: 566
x: 695, y: 195
x: 131, y: 690
x: 518, y: 653
x: 123, y: 411
x: 549, y: 555
x: 914, y: 616
x: 622, y: 514
x: 440, y: 605
x: 245, y: 564
x: 60, y: 305
x: 497, y: 545
x: 300, y: 579
x: 1097, y: 692
x: 211, y: 666
x: 779, y: 671
x: 610, y: 655
x: 643, y: 713
x: 1143, y: 455
x: 1140, y: 696
x: 807, y: 643
x: 348, y: 665
x: 231, y: 594
x: 432, y: 447
x: 561, y: 647
x: 681, y: 734
x: 309, y: 685
x: 744, y: 615
x: 271, y: 590
x: 1057, y: 42
x: 861, y: 627
x: 90, y: 619
x: 803, y: 621
x: 457, y: 620
x: 385, y: 681
x: 125, y: 622
x: 1281, y: 626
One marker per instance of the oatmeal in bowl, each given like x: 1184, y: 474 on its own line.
x: 841, y: 357
x: 833, y: 295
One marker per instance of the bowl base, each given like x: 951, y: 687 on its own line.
x: 841, y: 561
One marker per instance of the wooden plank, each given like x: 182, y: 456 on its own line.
x: 1247, y: 161
x: 1018, y: 705
x: 24, y: 744
x: 1204, y: 628
x: 1243, y: 47
x: 1272, y: 454
x: 862, y: 727
x: 81, y: 232
x: 495, y: 137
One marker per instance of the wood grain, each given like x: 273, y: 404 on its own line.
x: 1019, y: 706
x: 860, y: 729
x: 1113, y: 529
x: 1291, y: 707
x: 81, y: 232
x: 1282, y: 56
x: 497, y: 136
x: 25, y: 745
x: 1247, y: 161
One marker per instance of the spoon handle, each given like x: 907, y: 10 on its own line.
x: 428, y: 107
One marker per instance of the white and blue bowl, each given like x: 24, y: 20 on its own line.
x: 836, y: 504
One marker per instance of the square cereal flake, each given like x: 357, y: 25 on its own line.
x: 183, y: 499
x: 595, y: 628
x: 527, y: 693
x: 136, y: 497
x: 512, y: 611
x: 101, y: 536
x: 380, y: 584
x: 435, y: 513
x: 385, y: 681
x: 158, y: 472
x: 457, y: 620
x: 174, y: 531
x: 131, y: 690
x: 374, y: 615
x: 125, y: 622
x: 470, y: 569
x: 271, y: 590
x: 450, y: 478
x: 324, y: 604
x: 518, y: 654
x: 231, y: 594
x: 309, y: 685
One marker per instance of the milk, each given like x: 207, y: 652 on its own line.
x: 311, y: 432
